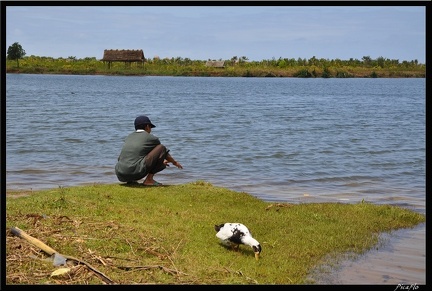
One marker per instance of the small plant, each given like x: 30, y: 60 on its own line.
x: 303, y: 73
x: 374, y: 75
x: 326, y: 73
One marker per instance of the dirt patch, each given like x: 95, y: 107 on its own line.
x: 18, y: 193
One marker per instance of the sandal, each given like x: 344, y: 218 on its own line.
x: 155, y: 183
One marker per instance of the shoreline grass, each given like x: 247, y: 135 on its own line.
x: 165, y: 235
x: 281, y: 68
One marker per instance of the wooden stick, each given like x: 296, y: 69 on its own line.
x: 21, y: 234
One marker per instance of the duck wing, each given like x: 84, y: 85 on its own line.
x: 233, y: 232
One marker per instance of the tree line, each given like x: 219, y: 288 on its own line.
x: 236, y: 66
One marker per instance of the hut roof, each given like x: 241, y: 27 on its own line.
x: 123, y: 56
x: 215, y: 64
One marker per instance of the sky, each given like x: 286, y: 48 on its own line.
x: 221, y: 32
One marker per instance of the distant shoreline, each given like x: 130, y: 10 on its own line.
x: 221, y: 74
x: 281, y: 68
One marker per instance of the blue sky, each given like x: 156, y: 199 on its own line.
x: 221, y: 32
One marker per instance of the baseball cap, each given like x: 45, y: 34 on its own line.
x: 142, y: 120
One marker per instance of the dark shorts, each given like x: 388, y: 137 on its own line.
x: 154, y: 163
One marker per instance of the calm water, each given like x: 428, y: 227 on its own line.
x: 279, y: 139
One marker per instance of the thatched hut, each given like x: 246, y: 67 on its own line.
x: 126, y: 56
x: 215, y: 64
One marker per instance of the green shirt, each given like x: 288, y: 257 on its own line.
x: 131, y: 163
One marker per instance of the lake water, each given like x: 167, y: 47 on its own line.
x: 280, y: 139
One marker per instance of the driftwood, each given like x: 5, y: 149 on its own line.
x: 21, y: 234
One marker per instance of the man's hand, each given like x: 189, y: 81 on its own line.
x: 178, y: 165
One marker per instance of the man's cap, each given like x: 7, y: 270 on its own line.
x: 143, y: 120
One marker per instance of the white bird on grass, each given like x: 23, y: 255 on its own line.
x: 236, y: 234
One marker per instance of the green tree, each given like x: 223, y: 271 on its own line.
x: 15, y: 52
x: 367, y: 60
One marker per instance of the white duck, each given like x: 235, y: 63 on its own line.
x: 236, y: 234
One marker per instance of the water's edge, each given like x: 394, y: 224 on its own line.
x: 393, y: 261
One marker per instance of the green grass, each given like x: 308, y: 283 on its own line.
x: 165, y: 235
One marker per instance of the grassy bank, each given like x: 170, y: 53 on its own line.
x: 165, y: 235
